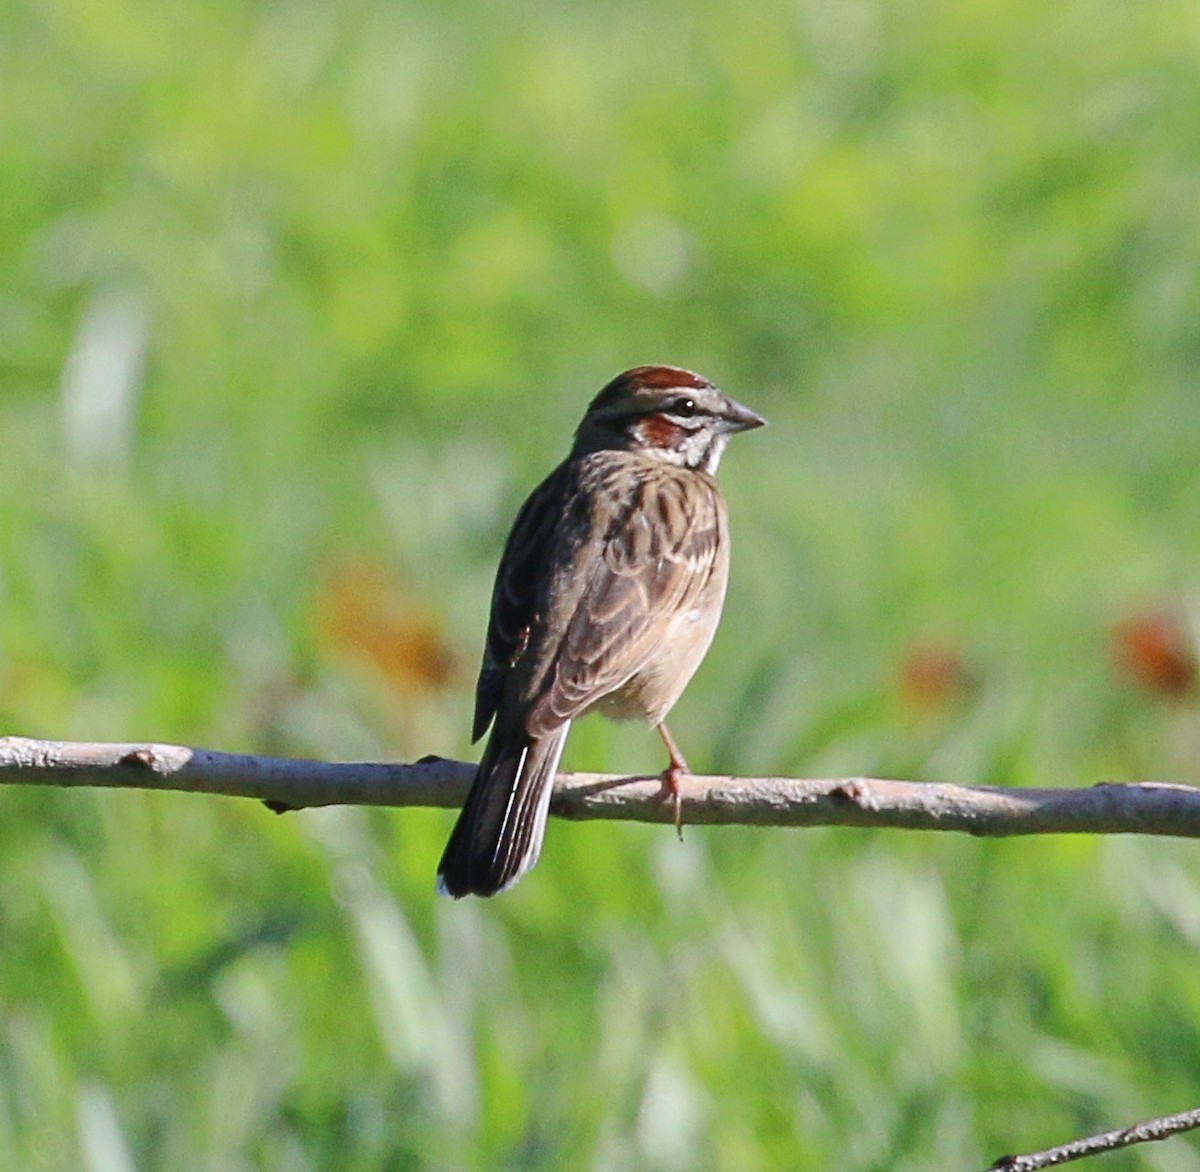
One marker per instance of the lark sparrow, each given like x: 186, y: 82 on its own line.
x: 607, y: 597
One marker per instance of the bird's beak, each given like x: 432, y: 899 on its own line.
x: 735, y: 417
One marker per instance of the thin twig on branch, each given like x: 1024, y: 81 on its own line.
x: 1109, y: 1141
x: 291, y: 784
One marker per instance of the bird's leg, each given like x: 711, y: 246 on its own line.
x: 671, y: 775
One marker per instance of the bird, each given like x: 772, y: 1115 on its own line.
x: 607, y: 597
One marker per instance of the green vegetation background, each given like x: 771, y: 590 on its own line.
x: 297, y: 300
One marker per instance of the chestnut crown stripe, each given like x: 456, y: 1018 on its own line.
x: 658, y: 378
x: 663, y: 377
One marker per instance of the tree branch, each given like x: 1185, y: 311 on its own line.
x: 290, y: 784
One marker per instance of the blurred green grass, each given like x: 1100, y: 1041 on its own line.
x: 298, y: 301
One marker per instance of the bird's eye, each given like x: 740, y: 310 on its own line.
x: 685, y: 407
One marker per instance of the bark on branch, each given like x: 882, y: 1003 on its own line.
x: 289, y: 784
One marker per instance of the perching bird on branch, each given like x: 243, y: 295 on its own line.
x: 607, y: 598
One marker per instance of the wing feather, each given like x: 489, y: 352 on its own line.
x: 601, y: 557
x: 652, y: 557
x: 515, y: 595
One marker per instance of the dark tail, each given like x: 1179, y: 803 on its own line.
x: 498, y: 835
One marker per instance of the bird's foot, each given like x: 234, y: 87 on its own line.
x: 670, y: 789
x: 671, y: 775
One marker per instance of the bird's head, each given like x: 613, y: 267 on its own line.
x: 665, y: 412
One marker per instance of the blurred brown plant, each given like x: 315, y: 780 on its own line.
x: 1156, y: 650
x: 934, y: 677
x: 365, y: 615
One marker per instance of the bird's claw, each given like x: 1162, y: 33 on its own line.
x: 670, y: 789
